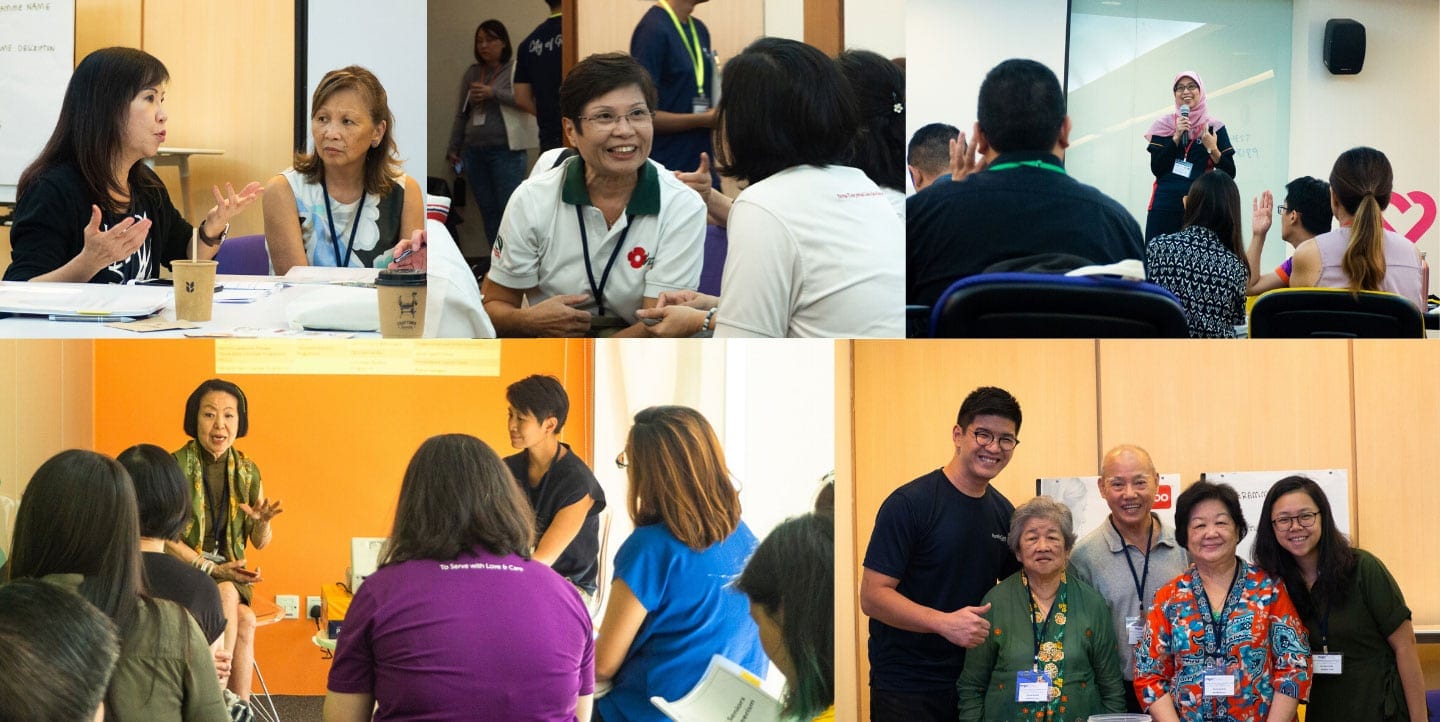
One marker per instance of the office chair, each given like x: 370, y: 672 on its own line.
x: 602, y: 576
x: 1038, y: 305
x: 243, y: 256
x: 1334, y: 313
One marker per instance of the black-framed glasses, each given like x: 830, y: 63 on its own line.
x: 986, y: 438
x: 1282, y: 210
x: 1190, y: 87
x: 605, y: 120
x: 622, y: 461
x: 1305, y: 519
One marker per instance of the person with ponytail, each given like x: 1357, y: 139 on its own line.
x: 1361, y: 254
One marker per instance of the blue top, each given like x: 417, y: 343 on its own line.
x: 656, y: 45
x: 694, y: 613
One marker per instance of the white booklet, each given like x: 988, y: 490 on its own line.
x: 727, y: 693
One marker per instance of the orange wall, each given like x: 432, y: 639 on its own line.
x: 332, y: 448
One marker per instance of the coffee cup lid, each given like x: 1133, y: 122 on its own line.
x: 401, y: 277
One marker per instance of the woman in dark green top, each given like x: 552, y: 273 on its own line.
x: 1051, y: 638
x: 1364, y: 662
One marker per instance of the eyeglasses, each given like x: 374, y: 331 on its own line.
x: 1282, y: 210
x: 986, y: 438
x: 1305, y: 519
x: 605, y: 120
x: 621, y: 461
x: 1188, y: 86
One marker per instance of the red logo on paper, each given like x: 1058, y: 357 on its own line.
x: 1163, y: 497
x: 637, y: 257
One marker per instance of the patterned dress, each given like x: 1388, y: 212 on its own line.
x: 242, y: 481
x: 1208, y: 279
x: 1263, y: 644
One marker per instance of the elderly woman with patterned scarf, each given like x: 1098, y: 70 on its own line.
x: 229, y: 511
x: 1051, y: 654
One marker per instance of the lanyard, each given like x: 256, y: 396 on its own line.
x: 1217, y: 622
x: 696, y: 52
x: 1325, y: 629
x: 490, y: 79
x: 1144, y: 576
x: 1029, y: 164
x: 599, y: 291
x: 341, y: 261
x: 1038, y: 628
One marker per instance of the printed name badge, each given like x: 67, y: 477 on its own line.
x: 1032, y: 686
x: 1135, y: 630
x: 1183, y: 168
x: 1327, y: 663
x: 1219, y: 682
x: 699, y: 104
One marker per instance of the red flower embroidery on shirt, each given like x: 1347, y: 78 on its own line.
x: 637, y: 257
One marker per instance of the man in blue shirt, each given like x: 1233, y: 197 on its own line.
x: 674, y: 47
x: 537, y: 77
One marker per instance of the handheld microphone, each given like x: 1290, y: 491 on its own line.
x: 1185, y: 113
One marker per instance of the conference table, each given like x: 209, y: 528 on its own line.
x: 246, y: 307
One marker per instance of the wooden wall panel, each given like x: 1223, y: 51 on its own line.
x: 825, y: 25
x: 847, y: 579
x: 106, y: 23
x: 46, y: 405
x: 232, y: 69
x: 605, y: 25
x: 1241, y: 406
x: 906, y: 395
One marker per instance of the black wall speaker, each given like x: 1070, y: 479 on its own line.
x: 1344, y: 46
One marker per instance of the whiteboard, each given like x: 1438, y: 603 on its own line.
x: 1087, y: 506
x: 390, y: 42
x: 37, y: 55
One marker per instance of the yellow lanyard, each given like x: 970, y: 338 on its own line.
x: 695, y: 52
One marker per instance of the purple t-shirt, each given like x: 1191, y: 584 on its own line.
x: 481, y: 637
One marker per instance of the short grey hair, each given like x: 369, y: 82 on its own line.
x: 1042, y: 507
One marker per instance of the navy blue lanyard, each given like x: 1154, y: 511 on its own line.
x: 341, y: 261
x: 1145, y: 576
x: 1217, y: 623
x: 599, y: 291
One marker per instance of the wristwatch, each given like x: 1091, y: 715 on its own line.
x: 224, y: 233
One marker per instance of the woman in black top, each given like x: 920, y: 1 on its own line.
x: 88, y: 208
x: 1183, y: 146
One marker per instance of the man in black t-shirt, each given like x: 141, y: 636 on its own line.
x: 938, y: 546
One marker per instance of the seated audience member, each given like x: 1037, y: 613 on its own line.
x: 814, y: 250
x: 77, y: 527
x: 1016, y: 202
x: 1048, y: 629
x: 1204, y: 263
x: 928, y: 156
x: 57, y: 652
x: 672, y: 605
x: 878, y: 86
x: 1361, y: 255
x: 563, y: 493
x: 1352, y: 606
x: 459, y: 623
x: 1305, y: 214
x: 162, y: 496
x: 89, y: 208
x: 591, y: 241
x: 790, y: 582
x: 347, y: 202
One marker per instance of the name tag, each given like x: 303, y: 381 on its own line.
x: 1219, y: 682
x: 1327, y: 663
x: 477, y: 117
x: 1134, y: 630
x: 699, y: 104
x: 1032, y: 686
x: 1183, y: 168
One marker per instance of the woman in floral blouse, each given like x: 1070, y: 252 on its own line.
x: 1051, y: 654
x: 1223, y: 640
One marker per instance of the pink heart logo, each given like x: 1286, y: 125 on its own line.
x: 1404, y: 202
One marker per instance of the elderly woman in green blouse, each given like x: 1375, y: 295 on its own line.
x: 1051, y: 654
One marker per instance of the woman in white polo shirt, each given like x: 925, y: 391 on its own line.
x: 600, y: 236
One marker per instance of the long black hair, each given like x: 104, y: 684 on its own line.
x: 879, y: 89
x: 1337, y: 558
x: 1214, y: 203
x: 91, y: 127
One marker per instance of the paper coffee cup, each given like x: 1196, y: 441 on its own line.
x: 402, y: 303
x: 194, y: 289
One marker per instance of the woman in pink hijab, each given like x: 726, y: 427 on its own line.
x: 1183, y: 146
